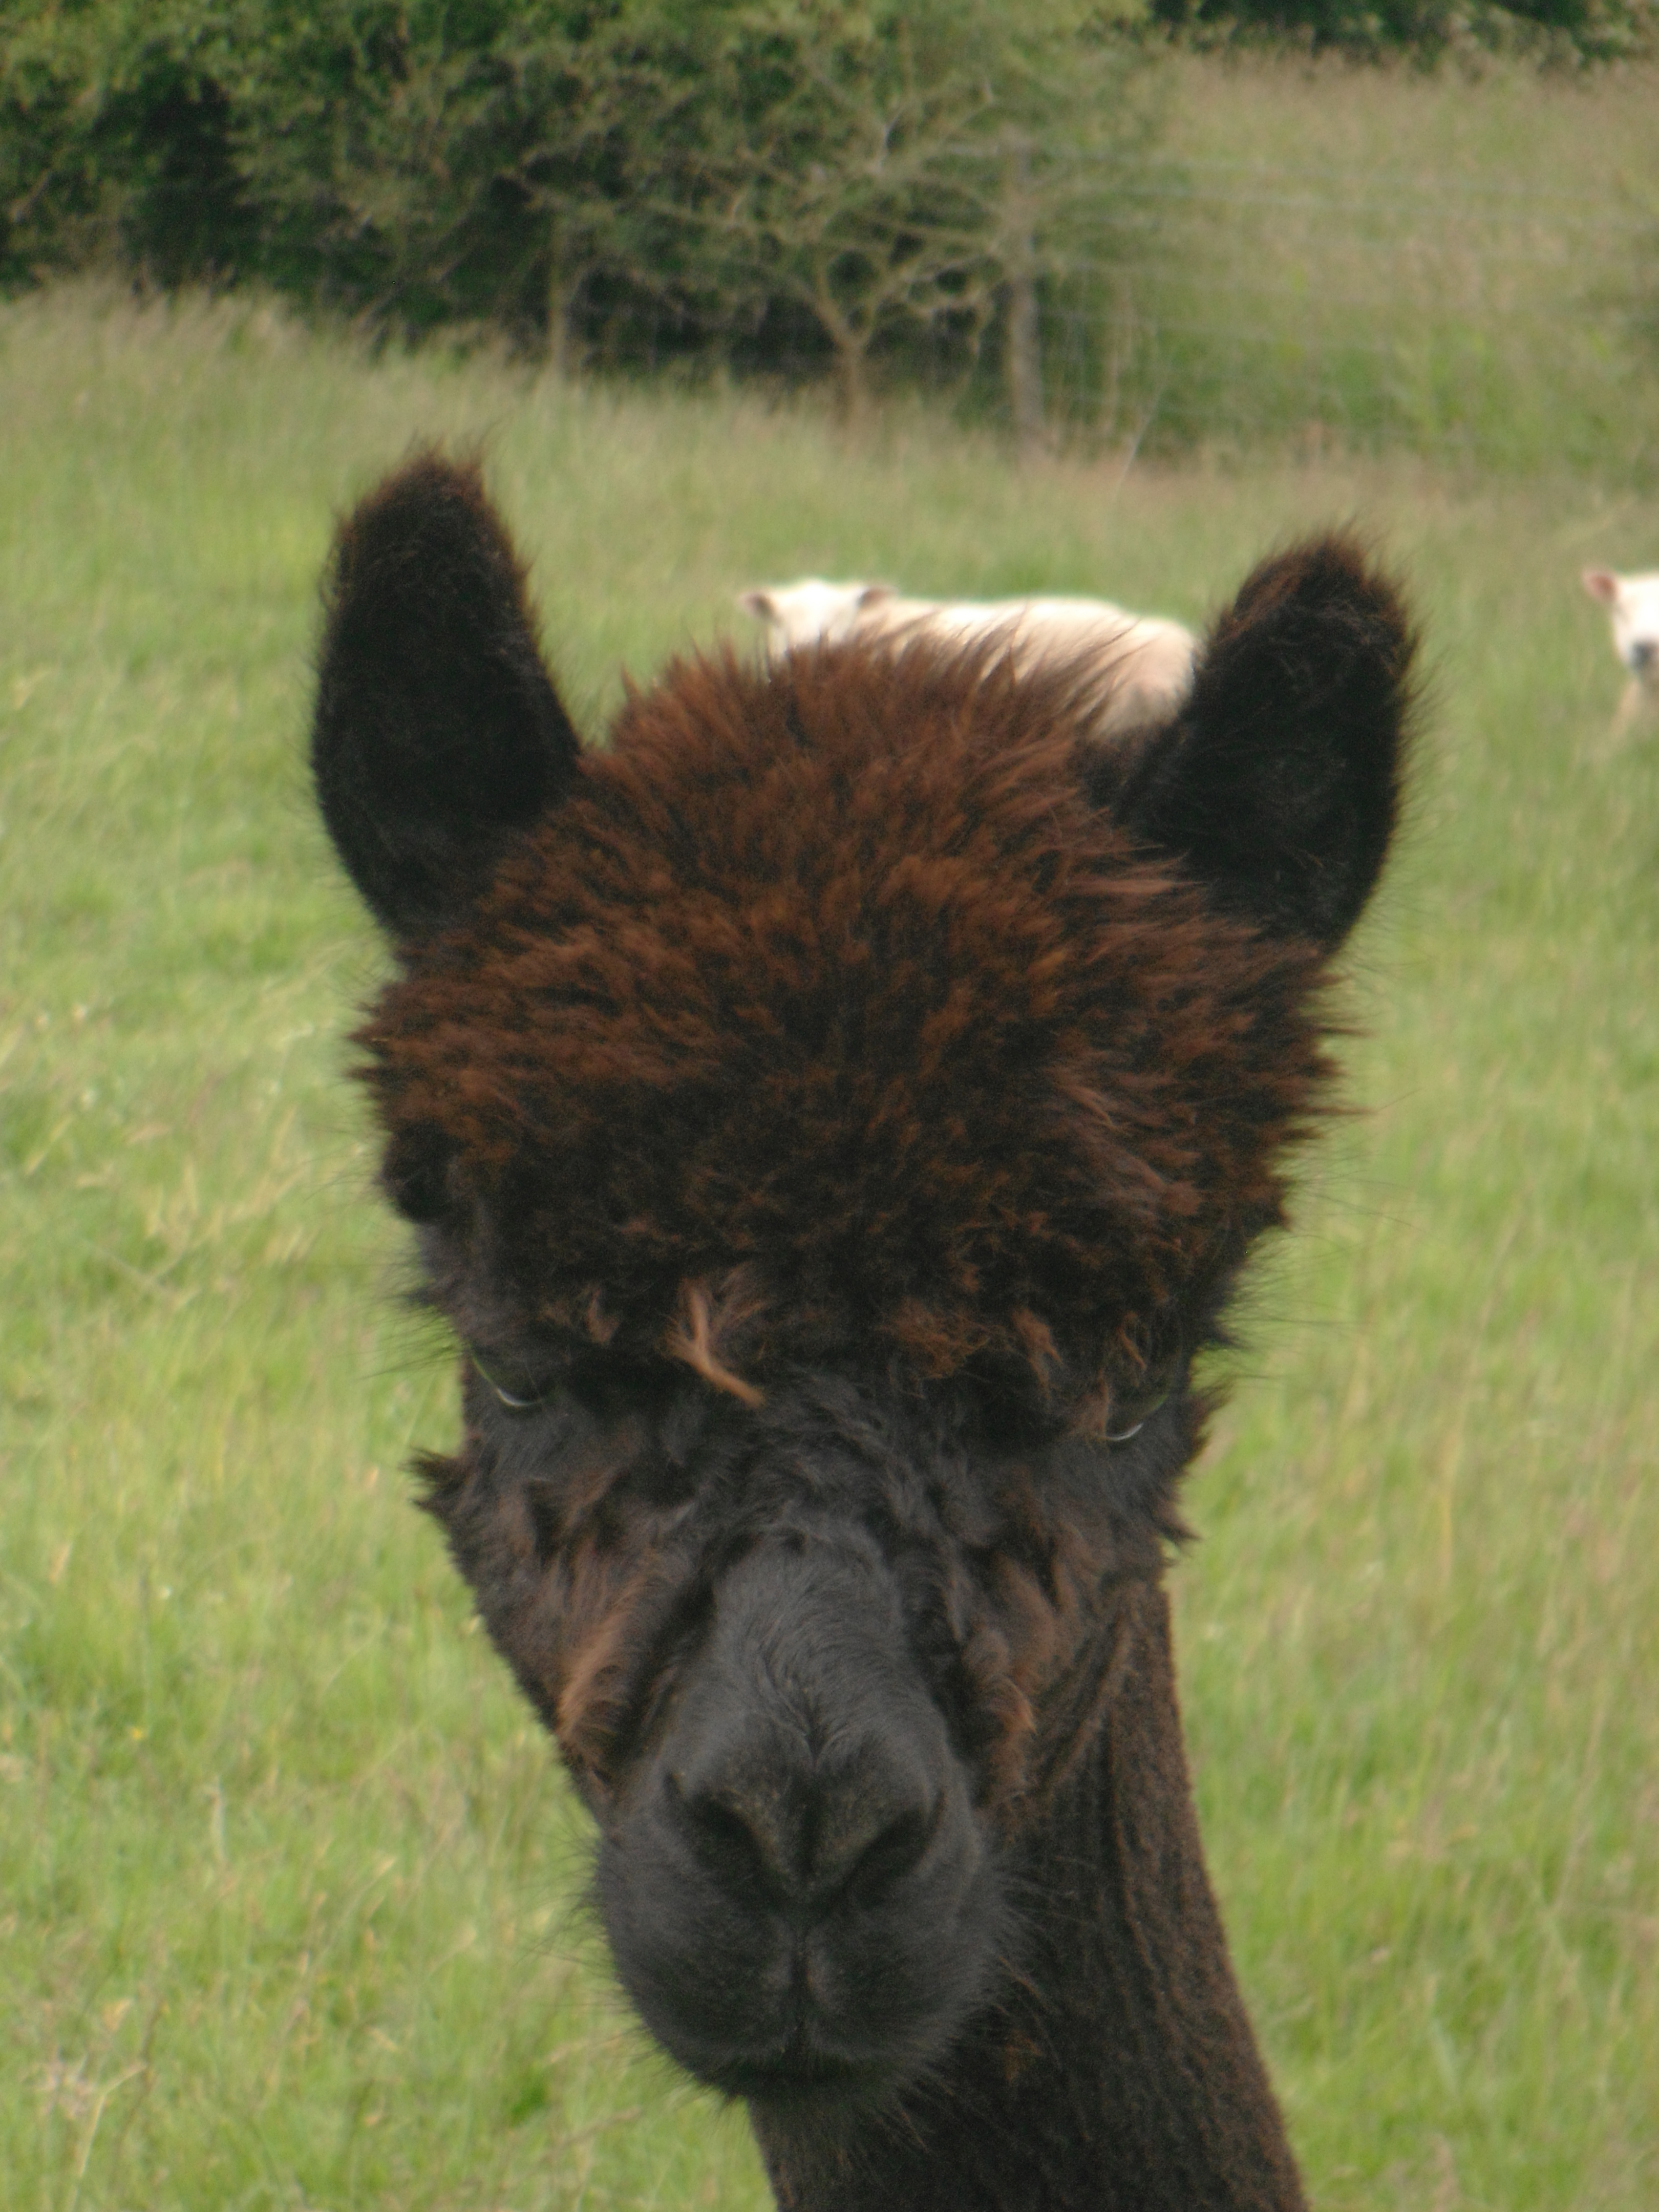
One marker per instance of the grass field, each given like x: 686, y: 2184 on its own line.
x: 287, y: 1881
x: 1386, y: 258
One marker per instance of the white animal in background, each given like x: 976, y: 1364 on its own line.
x: 1149, y: 661
x: 1633, y: 604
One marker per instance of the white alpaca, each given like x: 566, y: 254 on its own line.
x: 1633, y: 604
x: 1149, y: 661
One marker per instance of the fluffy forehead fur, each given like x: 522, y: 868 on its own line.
x: 832, y: 1014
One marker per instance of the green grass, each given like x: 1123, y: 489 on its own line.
x: 1387, y: 260
x: 289, y: 1889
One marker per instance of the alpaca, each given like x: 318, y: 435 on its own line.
x: 1632, y: 605
x: 833, y: 1118
x: 1145, y: 662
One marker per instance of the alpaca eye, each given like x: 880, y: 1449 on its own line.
x: 518, y: 1396
x: 1133, y: 1417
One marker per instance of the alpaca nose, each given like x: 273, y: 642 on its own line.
x: 796, y: 1888
x: 1644, y: 652
x: 806, y: 1836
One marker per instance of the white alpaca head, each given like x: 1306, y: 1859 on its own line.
x: 803, y: 612
x: 1632, y: 602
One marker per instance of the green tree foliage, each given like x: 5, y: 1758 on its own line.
x: 115, y: 141
x: 380, y: 142
x: 860, y: 175
x: 765, y: 180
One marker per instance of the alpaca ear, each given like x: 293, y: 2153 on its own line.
x: 1279, y: 782
x: 1601, y: 584
x: 438, y: 732
x: 758, y: 604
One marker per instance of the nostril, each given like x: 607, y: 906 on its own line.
x: 805, y: 1840
x: 1644, y: 652
x: 727, y: 1841
x: 896, y: 1851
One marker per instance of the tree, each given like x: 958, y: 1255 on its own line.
x: 888, y: 176
x: 883, y: 170
x: 115, y: 142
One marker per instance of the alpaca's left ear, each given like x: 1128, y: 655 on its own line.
x: 438, y: 732
x: 1277, y: 785
x: 1601, y: 584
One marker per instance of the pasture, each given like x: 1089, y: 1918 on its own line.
x: 290, y: 1890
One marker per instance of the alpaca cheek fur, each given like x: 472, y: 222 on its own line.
x: 574, y: 1615
x: 587, y: 1592
x: 571, y: 1616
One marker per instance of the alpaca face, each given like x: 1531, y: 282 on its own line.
x: 805, y: 613
x: 813, y: 1664
x: 833, y: 1117
x: 1632, y: 604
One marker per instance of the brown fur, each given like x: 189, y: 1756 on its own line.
x: 827, y: 1017
x: 836, y: 1117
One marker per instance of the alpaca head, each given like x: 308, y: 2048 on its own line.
x: 833, y: 1117
x: 803, y: 613
x: 1632, y: 605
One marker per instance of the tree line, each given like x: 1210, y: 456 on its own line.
x: 803, y: 183
x: 848, y: 187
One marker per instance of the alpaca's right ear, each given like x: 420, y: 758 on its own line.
x: 1601, y: 584
x: 438, y: 732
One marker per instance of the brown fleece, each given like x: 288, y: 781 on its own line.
x: 827, y: 1016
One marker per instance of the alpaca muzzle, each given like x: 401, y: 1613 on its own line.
x: 798, y: 1893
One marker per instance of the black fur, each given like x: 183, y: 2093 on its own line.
x: 438, y: 733
x: 833, y: 1132
x: 1279, y: 784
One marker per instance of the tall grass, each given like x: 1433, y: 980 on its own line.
x: 290, y: 1888
x: 1381, y: 258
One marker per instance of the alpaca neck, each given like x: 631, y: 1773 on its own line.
x: 1118, y: 2072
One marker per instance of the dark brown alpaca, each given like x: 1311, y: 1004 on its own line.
x: 834, y: 1118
